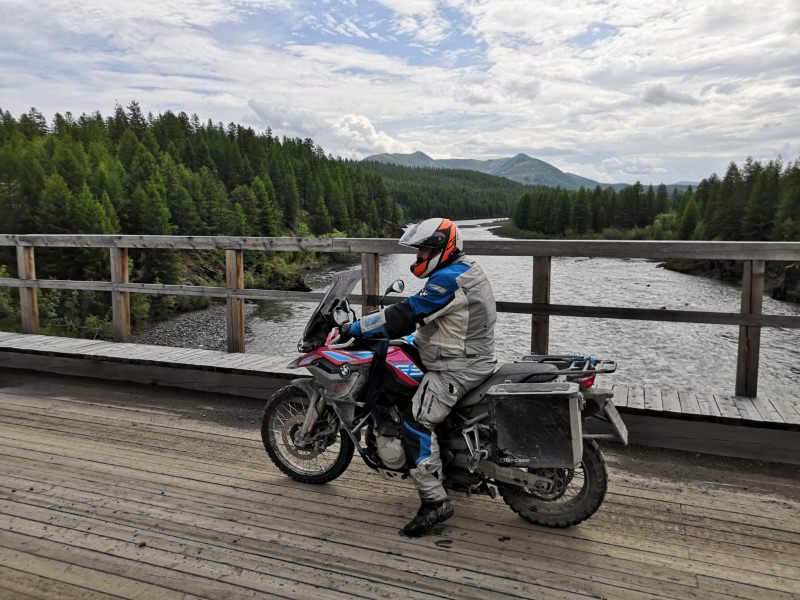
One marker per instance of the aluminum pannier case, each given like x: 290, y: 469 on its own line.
x: 536, y: 424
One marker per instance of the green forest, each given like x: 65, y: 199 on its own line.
x: 456, y: 193
x: 754, y: 202
x: 131, y: 173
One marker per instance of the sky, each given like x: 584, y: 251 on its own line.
x: 614, y: 90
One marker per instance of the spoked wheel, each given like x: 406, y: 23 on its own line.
x: 574, y: 496
x: 321, y: 460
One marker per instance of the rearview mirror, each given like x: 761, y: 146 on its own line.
x: 397, y: 286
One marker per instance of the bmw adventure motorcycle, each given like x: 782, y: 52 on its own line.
x: 520, y: 432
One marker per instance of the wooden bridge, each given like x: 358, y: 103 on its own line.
x: 119, y: 491
x: 750, y: 319
x: 109, y: 489
x: 743, y: 424
x: 757, y: 428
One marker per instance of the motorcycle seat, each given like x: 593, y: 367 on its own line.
x: 518, y: 372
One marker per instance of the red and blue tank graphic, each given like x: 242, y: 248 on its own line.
x: 397, y: 359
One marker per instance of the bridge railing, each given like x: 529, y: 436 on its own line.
x: 749, y: 319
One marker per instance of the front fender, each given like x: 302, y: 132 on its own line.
x: 307, y: 385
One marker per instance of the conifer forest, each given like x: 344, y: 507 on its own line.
x: 173, y: 174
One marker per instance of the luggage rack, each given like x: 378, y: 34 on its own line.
x: 576, y: 365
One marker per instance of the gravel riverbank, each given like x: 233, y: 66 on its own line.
x: 204, y: 329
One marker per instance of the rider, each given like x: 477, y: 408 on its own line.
x: 455, y: 312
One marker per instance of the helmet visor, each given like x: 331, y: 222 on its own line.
x: 408, y: 236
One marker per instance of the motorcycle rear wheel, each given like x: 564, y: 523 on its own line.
x: 577, y: 495
x: 283, y: 416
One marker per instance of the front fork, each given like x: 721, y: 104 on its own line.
x: 316, y: 404
x: 307, y: 435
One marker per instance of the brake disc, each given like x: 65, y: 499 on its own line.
x: 290, y: 428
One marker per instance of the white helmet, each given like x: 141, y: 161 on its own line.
x: 439, y: 234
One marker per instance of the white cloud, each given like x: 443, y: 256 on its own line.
x: 655, y: 83
x: 661, y: 94
x: 352, y: 135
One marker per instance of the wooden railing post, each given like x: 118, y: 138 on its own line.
x: 540, y: 324
x: 234, y: 280
x: 370, y: 280
x: 750, y: 337
x: 28, y: 297
x: 120, y: 301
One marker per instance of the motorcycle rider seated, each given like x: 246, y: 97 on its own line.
x: 455, y: 315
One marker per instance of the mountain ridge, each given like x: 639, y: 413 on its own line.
x: 520, y: 168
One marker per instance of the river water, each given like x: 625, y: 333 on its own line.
x: 678, y: 355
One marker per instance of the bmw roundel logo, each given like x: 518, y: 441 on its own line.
x: 345, y: 371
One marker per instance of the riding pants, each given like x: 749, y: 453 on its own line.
x: 436, y: 396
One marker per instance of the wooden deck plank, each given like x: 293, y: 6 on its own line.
x: 10, y: 339
x: 689, y: 403
x: 187, y: 515
x: 191, y: 520
x: 20, y: 585
x: 788, y: 412
x: 151, y: 431
x: 708, y: 406
x: 256, y: 571
x: 64, y: 565
x: 179, y: 467
x: 635, y: 397
x: 746, y: 408
x: 87, y: 347
x: 83, y: 420
x: 727, y: 407
x: 103, y: 435
x: 292, y: 555
x: 703, y: 405
x: 241, y: 361
x: 767, y: 410
x: 669, y: 399
x: 626, y: 505
x: 652, y: 398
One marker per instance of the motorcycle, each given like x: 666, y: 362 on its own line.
x: 519, y: 433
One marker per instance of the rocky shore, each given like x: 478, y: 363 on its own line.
x: 205, y: 329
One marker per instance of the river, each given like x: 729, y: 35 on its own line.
x: 678, y: 355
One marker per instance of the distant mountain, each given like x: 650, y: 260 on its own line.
x: 520, y: 168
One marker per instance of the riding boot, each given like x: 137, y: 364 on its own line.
x: 428, y: 516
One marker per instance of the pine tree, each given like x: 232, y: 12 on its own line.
x: 581, y: 214
x: 689, y: 218
x: 787, y: 222
x: 269, y: 215
x: 53, y: 208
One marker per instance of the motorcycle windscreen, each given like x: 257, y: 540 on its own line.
x: 341, y: 286
x: 535, y: 424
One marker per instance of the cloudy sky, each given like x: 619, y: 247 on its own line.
x: 616, y: 90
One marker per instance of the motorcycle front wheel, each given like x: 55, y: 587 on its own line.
x: 321, y: 461
x: 575, y: 496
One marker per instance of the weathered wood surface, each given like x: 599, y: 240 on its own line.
x: 526, y: 308
x: 121, y: 492
x: 146, y: 354
x: 781, y: 251
x: 706, y: 406
x: 701, y: 405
